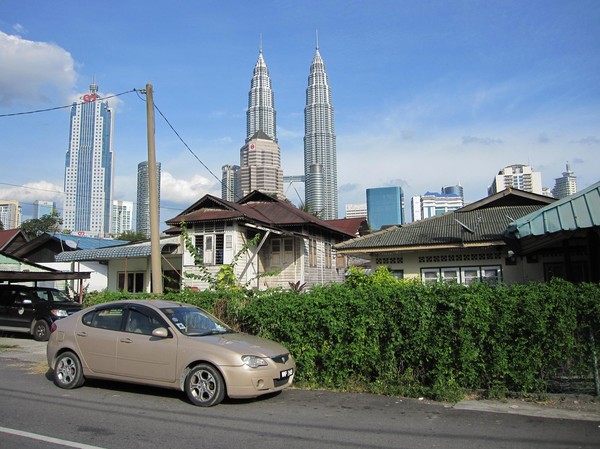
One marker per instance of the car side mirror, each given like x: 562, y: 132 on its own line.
x: 160, y: 332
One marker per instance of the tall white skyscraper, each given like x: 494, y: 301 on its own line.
x: 142, y: 215
x: 320, y: 163
x: 89, y: 167
x: 122, y: 217
x: 260, y: 157
x: 517, y: 176
x: 565, y: 185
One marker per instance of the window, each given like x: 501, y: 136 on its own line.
x: 211, y: 248
x: 470, y: 275
x: 109, y: 318
x: 282, y: 252
x: 312, y: 253
x: 430, y: 274
x: 327, y: 255
x: 140, y: 323
x: 451, y: 274
x: 135, y: 282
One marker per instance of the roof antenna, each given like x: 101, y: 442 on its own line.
x: 317, y: 34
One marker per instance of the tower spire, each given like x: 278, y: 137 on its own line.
x: 260, y: 44
x: 317, y: 36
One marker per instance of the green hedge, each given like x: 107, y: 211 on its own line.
x: 378, y: 334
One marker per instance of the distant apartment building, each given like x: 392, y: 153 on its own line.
x: 432, y: 203
x: 356, y: 210
x: 517, y: 176
x: 566, y: 185
x: 230, y: 188
x: 122, y: 217
x: 10, y: 214
x: 89, y: 167
x: 385, y: 207
x: 142, y: 214
x: 41, y: 208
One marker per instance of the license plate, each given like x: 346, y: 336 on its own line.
x: 286, y: 373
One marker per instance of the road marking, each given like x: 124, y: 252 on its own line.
x: 35, y: 436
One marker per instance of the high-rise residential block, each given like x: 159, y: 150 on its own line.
x: 89, y: 166
x: 565, y: 185
x: 122, y: 217
x: 10, y: 214
x: 517, y: 176
x: 320, y: 163
x: 142, y: 215
x: 41, y: 208
x: 385, y: 207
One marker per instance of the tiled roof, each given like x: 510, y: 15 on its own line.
x: 6, y: 236
x: 451, y: 229
x: 257, y: 208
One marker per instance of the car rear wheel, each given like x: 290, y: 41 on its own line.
x: 41, y: 330
x: 204, y: 385
x: 67, y: 371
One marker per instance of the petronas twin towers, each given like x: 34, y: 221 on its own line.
x: 260, y: 158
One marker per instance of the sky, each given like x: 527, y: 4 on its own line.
x: 426, y: 93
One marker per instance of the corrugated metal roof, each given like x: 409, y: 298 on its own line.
x: 116, y: 252
x: 578, y: 211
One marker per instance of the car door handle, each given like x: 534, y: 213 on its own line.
x: 82, y: 334
x: 126, y: 340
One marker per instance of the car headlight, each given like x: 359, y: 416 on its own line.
x: 253, y: 361
x: 59, y: 313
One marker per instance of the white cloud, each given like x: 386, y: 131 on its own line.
x: 184, y: 191
x: 34, y: 72
x: 29, y: 192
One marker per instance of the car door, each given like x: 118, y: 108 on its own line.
x: 21, y: 308
x: 141, y: 355
x: 97, y: 335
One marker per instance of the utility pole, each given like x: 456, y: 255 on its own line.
x: 155, y: 256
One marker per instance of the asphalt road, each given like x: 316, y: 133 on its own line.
x: 34, y: 413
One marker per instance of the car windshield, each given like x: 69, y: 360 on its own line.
x: 193, y: 321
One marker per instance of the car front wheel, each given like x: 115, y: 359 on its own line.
x: 67, y: 371
x: 41, y: 330
x: 204, y: 385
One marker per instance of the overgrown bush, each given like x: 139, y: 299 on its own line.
x: 376, y: 333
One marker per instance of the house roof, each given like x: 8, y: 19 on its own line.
x: 141, y: 249
x: 255, y: 208
x: 350, y: 225
x: 479, y: 224
x: 15, y: 269
x: 67, y: 242
x: 578, y: 212
x: 9, y: 235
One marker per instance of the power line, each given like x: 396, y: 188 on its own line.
x: 13, y: 114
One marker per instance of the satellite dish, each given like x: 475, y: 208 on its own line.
x: 71, y: 244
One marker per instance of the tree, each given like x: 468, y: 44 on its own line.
x: 37, y: 226
x: 132, y: 236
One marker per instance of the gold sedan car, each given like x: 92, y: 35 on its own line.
x: 166, y: 344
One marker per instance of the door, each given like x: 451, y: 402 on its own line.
x: 142, y: 356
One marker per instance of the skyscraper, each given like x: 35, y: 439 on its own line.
x: 320, y: 164
x: 142, y: 215
x: 89, y: 166
x: 260, y: 157
x: 260, y: 166
x: 565, y: 185
x: 432, y: 203
x: 385, y: 207
x: 10, y: 214
x: 261, y: 115
x: 230, y: 188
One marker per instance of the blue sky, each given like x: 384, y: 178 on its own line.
x: 426, y: 93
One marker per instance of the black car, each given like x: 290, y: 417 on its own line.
x: 33, y: 309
